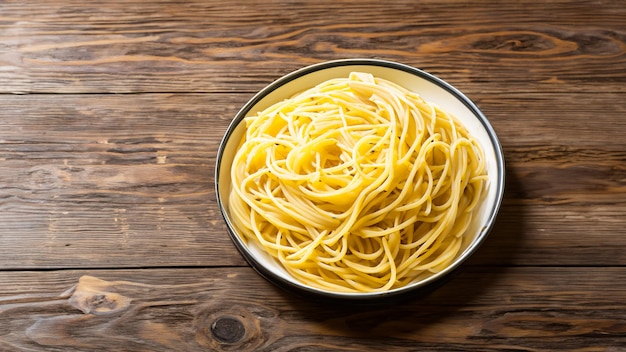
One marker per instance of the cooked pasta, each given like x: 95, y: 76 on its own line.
x: 356, y: 185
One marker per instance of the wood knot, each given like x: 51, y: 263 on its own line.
x: 228, y: 329
x: 100, y: 302
x: 240, y: 327
x: 95, y: 296
x: 46, y: 178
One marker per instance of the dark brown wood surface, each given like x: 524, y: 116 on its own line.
x: 110, y: 118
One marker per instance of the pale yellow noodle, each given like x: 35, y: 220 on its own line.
x: 356, y: 185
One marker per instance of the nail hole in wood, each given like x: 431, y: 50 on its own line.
x: 228, y: 329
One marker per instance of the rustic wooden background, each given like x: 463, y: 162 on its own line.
x: 110, y: 117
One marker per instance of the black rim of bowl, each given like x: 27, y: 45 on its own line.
x: 428, y: 282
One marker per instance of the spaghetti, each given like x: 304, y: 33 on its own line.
x: 356, y: 185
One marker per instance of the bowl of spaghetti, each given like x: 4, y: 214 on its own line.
x: 359, y: 179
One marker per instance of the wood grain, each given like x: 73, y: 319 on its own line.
x: 132, y: 184
x: 220, y: 310
x: 162, y: 46
x: 112, y: 112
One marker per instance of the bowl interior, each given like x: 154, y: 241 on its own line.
x: 431, y: 88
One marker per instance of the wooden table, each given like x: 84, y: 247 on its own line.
x: 111, y: 114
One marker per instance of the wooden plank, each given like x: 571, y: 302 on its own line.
x: 111, y: 181
x: 201, y: 46
x: 127, y: 180
x: 479, y: 309
x: 554, y: 126
x: 531, y: 234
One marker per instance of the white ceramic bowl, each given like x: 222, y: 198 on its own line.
x: 432, y: 89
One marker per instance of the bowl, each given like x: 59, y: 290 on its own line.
x: 432, y: 89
